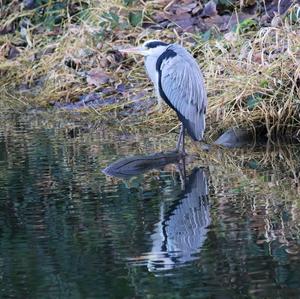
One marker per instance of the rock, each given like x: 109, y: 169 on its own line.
x: 236, y: 137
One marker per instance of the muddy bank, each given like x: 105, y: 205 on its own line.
x: 248, y: 51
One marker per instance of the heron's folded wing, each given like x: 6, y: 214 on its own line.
x: 182, y: 83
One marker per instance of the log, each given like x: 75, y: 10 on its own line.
x: 135, y: 165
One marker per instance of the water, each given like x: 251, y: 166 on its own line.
x: 69, y: 231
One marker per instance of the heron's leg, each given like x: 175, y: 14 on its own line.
x: 183, y: 145
x: 179, y: 138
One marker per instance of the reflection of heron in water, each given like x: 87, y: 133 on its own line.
x: 182, y: 228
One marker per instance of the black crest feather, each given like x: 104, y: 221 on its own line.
x: 155, y: 44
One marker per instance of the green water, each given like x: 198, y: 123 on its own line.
x: 69, y: 231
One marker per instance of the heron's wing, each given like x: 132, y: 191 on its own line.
x: 181, y: 85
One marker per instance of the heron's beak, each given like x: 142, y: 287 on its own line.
x: 137, y: 50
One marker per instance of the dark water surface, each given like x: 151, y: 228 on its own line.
x: 69, y: 231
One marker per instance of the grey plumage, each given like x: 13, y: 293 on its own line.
x: 178, y: 80
x: 183, y: 84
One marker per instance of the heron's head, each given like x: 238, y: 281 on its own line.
x: 149, y: 48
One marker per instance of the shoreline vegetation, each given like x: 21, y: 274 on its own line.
x: 63, y: 55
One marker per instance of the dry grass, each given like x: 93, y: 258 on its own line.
x: 253, y: 79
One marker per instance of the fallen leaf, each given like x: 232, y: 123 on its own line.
x: 7, y: 29
x: 160, y: 16
x: 220, y: 21
x: 181, y: 10
x: 9, y: 51
x: 210, y: 9
x: 184, y: 8
x: 185, y: 21
x: 226, y: 22
x: 197, y: 9
x: 279, y: 7
x: 13, y: 52
x: 97, y: 77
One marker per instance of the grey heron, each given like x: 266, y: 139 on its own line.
x: 178, y: 80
